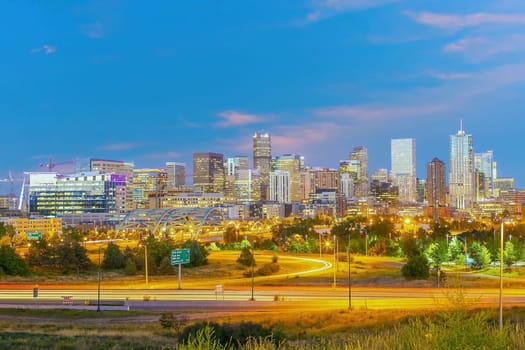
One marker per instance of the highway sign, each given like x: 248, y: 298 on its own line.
x: 34, y: 235
x: 180, y: 256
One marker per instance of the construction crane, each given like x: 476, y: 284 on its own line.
x: 51, y: 165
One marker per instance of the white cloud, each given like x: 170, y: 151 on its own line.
x: 93, y: 30
x: 120, y: 146
x: 479, y: 48
x: 322, y: 9
x: 455, y: 22
x: 235, y: 118
x: 46, y: 49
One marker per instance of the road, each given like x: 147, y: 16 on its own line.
x: 234, y: 300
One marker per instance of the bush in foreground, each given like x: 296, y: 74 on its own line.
x: 416, y: 268
x: 234, y: 335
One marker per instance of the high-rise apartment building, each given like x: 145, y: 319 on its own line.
x: 315, y: 179
x: 360, y: 153
x: 175, y: 175
x: 461, y: 176
x: 436, y: 185
x: 262, y: 159
x: 294, y: 165
x: 208, y: 172
x: 280, y: 186
x: 403, y: 167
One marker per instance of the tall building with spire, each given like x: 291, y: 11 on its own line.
x: 461, y: 176
x: 262, y: 159
x: 403, y: 167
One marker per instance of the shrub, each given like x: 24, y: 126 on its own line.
x: 131, y: 267
x: 267, y: 269
x: 231, y: 334
x: 416, y: 268
x: 246, y: 258
x: 11, y: 263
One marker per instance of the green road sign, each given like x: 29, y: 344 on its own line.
x: 34, y: 235
x: 180, y: 256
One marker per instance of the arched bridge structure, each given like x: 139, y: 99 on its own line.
x: 180, y: 224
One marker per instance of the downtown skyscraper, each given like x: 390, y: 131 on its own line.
x: 262, y: 159
x: 436, y: 186
x: 208, y: 171
x: 360, y: 153
x: 461, y: 177
x: 403, y: 168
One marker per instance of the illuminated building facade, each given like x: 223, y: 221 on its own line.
x: 294, y: 165
x: 436, y: 185
x: 403, y: 168
x: 262, y: 159
x: 145, y: 182
x: 360, y: 154
x: 461, y: 176
x: 280, y: 186
x: 175, y: 175
x: 45, y: 226
x: 53, y: 195
x: 208, y: 172
x: 315, y: 179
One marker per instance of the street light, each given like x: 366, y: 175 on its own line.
x: 335, y: 261
x: 349, y: 276
x: 253, y: 266
x: 98, y: 291
x: 501, y: 277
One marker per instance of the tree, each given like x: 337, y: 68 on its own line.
x: 437, y: 252
x: 11, y: 263
x: 509, y: 254
x: 198, y: 255
x: 131, y: 268
x: 411, y: 247
x: 480, y: 256
x: 113, y: 257
x: 71, y: 256
x: 416, y: 268
x: 246, y: 258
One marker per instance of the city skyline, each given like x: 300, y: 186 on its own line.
x: 151, y: 85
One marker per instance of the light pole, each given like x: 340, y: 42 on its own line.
x: 335, y: 261
x: 320, y: 246
x: 349, y: 276
x: 253, y: 266
x: 146, y: 260
x: 501, y: 278
x: 98, y: 291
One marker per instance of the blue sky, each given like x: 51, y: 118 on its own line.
x: 150, y: 82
